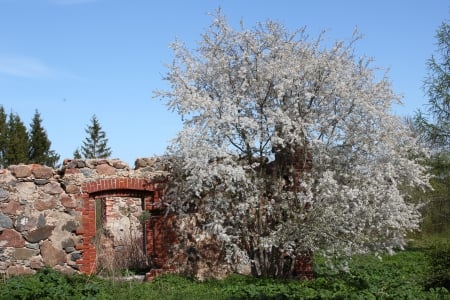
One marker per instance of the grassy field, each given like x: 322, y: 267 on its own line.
x: 405, y: 275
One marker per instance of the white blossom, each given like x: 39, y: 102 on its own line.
x: 247, y: 96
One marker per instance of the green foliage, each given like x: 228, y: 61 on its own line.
x: 17, y: 145
x: 436, y: 124
x: 77, y: 154
x: 438, y: 273
x: 437, y: 212
x: 399, y: 276
x: 17, y: 141
x: 3, y: 135
x: 40, y: 152
x: 49, y: 284
x: 96, y: 144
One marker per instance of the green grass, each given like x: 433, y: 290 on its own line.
x: 401, y: 276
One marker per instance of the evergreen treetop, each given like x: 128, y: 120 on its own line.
x: 40, y: 144
x: 96, y: 144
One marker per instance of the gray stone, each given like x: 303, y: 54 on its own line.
x: 24, y: 253
x: 80, y: 164
x: 39, y: 234
x: 86, y: 172
x: 34, y: 246
x: 4, y: 195
x: 70, y: 226
x: 24, y: 223
x: 75, y: 255
x: 67, y: 243
x: 41, y: 181
x: 69, y: 249
x: 41, y: 221
x: 5, y: 221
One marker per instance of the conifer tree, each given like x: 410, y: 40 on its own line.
x: 40, y: 144
x: 17, y: 141
x: 3, y: 133
x: 96, y: 144
x: 77, y: 154
x: 434, y: 126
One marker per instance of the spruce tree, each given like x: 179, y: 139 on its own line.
x: 96, y: 144
x: 40, y: 152
x: 77, y: 154
x: 17, y: 141
x: 3, y: 133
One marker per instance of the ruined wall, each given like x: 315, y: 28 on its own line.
x: 95, y: 215
x: 47, y: 217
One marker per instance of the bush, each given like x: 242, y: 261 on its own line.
x: 438, y: 256
x: 50, y: 284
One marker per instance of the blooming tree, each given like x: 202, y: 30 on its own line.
x: 289, y: 145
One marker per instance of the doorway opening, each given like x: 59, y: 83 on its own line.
x: 121, y: 234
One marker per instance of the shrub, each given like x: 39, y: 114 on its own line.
x: 438, y: 274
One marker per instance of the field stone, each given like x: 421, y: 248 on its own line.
x: 36, y: 263
x: 68, y: 202
x: 72, y: 189
x: 53, y: 188
x: 21, y: 171
x: 41, y: 181
x: 11, y: 238
x: 4, y: 195
x: 24, y: 253
x: 51, y: 255
x: 42, y: 172
x: 70, y: 226
x: 39, y: 234
x: 24, y: 223
x: 105, y: 169
x: 34, y: 246
x: 44, y: 204
x: 5, y: 221
x: 11, y: 208
x: 19, y: 270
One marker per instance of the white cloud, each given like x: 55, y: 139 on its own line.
x: 25, y: 67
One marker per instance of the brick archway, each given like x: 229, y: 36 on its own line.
x: 112, y: 187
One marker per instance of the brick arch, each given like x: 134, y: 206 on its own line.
x: 124, y: 183
x: 114, y: 187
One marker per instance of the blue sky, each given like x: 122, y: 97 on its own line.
x: 70, y: 59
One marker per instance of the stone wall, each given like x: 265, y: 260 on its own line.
x: 91, y: 215
x: 47, y: 216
